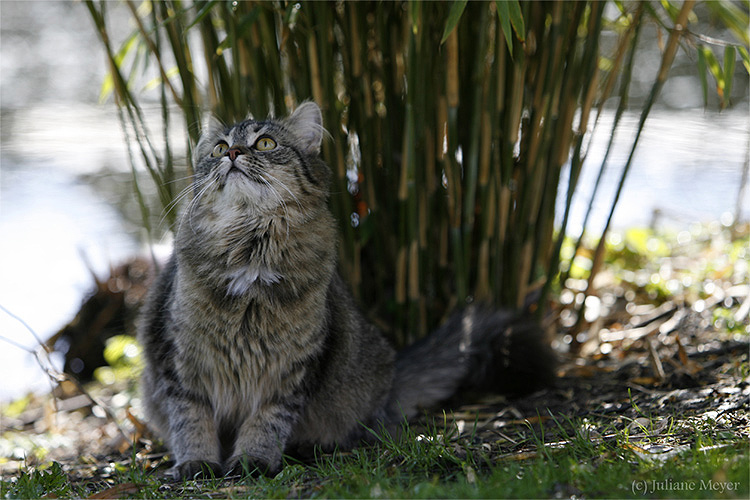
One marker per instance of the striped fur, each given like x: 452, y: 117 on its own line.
x: 254, y: 346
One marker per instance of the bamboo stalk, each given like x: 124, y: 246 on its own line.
x: 471, y: 180
x: 152, y: 47
x: 453, y: 174
x: 632, y: 41
x: 482, y: 225
x: 666, y: 62
x: 190, y: 98
x: 586, y: 80
x: 312, y: 52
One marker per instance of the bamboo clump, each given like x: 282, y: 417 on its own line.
x: 451, y: 125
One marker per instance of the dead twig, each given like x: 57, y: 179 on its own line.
x: 56, y: 376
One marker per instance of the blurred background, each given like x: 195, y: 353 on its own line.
x: 67, y: 207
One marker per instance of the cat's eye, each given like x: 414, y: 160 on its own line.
x: 220, y: 149
x: 265, y: 144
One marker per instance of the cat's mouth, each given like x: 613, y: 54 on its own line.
x: 236, y: 170
x: 239, y: 173
x: 241, y: 179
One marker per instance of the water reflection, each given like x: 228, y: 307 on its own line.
x: 688, y: 167
x: 49, y: 222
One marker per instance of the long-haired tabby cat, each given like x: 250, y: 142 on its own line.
x: 254, y: 346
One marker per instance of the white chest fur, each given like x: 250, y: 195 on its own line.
x: 242, y: 280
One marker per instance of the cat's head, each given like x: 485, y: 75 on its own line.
x: 263, y: 166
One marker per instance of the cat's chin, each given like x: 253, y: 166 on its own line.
x: 241, y: 190
x: 235, y: 172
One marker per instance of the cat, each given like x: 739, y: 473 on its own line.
x: 254, y: 346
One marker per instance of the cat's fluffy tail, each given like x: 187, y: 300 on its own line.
x: 476, y: 350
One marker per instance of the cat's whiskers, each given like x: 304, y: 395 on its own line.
x: 180, y: 196
x: 190, y: 178
x: 209, y: 183
x: 277, y: 195
x: 294, y: 196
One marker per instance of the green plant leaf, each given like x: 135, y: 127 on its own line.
x: 108, y: 84
x: 224, y: 44
x: 509, y: 12
x: 516, y: 19
x: 202, y: 13
x: 671, y: 9
x: 503, y: 13
x: 454, y: 16
x: 713, y: 65
x: 732, y: 16
x: 154, y: 82
x: 702, y: 73
x: 745, y: 58
x: 729, y: 53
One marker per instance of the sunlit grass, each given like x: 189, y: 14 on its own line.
x: 576, y: 457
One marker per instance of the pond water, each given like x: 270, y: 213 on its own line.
x: 58, y: 149
x: 54, y: 227
x: 688, y: 167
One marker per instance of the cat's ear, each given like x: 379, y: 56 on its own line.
x: 306, y: 123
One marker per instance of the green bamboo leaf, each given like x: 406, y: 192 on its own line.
x: 733, y: 17
x: 713, y: 64
x: 224, y: 44
x: 516, y: 19
x: 702, y: 73
x: 454, y: 16
x: 745, y: 57
x: 671, y: 9
x: 715, y: 69
x: 605, y: 63
x: 108, y: 84
x: 202, y: 13
x: 106, y: 89
x: 125, y: 48
x: 656, y: 16
x: 729, y: 53
x: 503, y: 13
x: 156, y: 81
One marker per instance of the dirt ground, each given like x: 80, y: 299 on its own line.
x: 656, y: 366
x: 661, y: 385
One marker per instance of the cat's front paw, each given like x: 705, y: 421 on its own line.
x: 196, y: 469
x: 246, y: 465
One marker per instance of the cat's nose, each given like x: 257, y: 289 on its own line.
x: 233, y: 153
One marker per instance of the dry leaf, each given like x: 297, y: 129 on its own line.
x: 124, y: 490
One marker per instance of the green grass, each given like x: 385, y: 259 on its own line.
x: 648, y: 451
x: 49, y: 480
x: 568, y: 458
